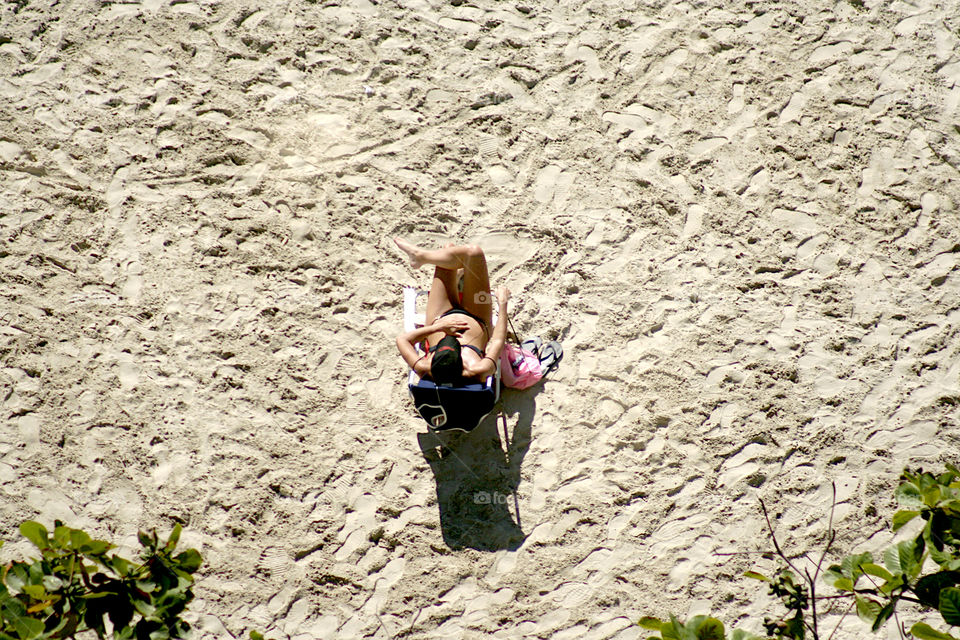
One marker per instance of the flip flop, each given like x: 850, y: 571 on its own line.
x: 532, y: 345
x: 550, y: 356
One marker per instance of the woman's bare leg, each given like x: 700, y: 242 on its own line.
x: 450, y: 257
x: 443, y: 293
x: 477, y: 298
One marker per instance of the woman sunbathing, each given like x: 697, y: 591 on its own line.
x: 458, y: 342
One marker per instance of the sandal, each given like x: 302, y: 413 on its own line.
x: 550, y: 356
x: 533, y: 346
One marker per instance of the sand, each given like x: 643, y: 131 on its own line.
x: 740, y: 218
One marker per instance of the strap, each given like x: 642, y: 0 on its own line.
x: 475, y: 349
x: 515, y: 334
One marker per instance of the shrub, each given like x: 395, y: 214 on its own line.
x: 76, y: 585
x: 873, y: 589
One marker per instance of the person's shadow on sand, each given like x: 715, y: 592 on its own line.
x: 477, y: 476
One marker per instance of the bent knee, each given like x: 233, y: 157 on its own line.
x: 473, y: 250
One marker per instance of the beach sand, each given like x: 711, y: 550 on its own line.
x: 740, y: 218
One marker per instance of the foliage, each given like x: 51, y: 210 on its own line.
x: 76, y: 586
x: 872, y: 588
x: 696, y: 628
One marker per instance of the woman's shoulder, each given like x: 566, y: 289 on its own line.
x: 421, y: 367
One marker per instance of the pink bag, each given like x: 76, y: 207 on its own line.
x: 519, y: 368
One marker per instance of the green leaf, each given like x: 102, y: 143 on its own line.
x: 144, y: 608
x: 833, y: 574
x: 894, y: 583
x: 851, y: 565
x: 928, y: 587
x: 843, y: 584
x: 61, y: 536
x: 950, y: 605
x: 901, y: 518
x: 884, y: 614
x: 52, y: 583
x: 647, y: 622
x: 174, y: 537
x: 908, y: 495
x: 867, y: 609
x: 190, y: 560
x: 942, y: 558
x: 951, y: 505
x: 146, y: 585
x: 708, y: 628
x: 256, y: 635
x: 740, y: 634
x: 876, y: 570
x: 120, y: 565
x: 931, y: 496
x: 35, y: 591
x: 127, y: 633
x: 79, y: 539
x: 95, y: 547
x: 35, y: 533
x: 923, y: 631
x: 756, y: 576
x: 673, y: 630
x: 145, y: 540
x: 901, y: 558
x: 25, y: 627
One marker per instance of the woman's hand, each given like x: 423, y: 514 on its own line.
x: 503, y: 294
x: 451, y: 325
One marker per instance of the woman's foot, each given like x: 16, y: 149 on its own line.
x: 414, y: 252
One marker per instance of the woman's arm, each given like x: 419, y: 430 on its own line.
x: 488, y: 365
x: 406, y: 341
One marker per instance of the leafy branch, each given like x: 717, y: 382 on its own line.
x: 873, y: 589
x: 76, y: 585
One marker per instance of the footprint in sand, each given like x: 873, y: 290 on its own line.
x: 51, y: 504
x: 911, y: 441
x: 28, y: 428
x: 122, y: 502
x: 553, y: 184
x: 642, y: 41
x: 498, y: 206
x: 830, y: 52
x: 670, y: 65
x: 93, y: 295
x: 50, y: 119
x: 488, y: 147
x: 255, y: 139
x: 736, y: 102
x: 794, y: 108
x: 589, y: 58
x: 742, y: 465
x: 128, y: 374
x: 506, y: 251
x: 274, y: 562
x: 133, y: 285
x: 360, y: 522
x: 694, y: 221
x: 572, y: 594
